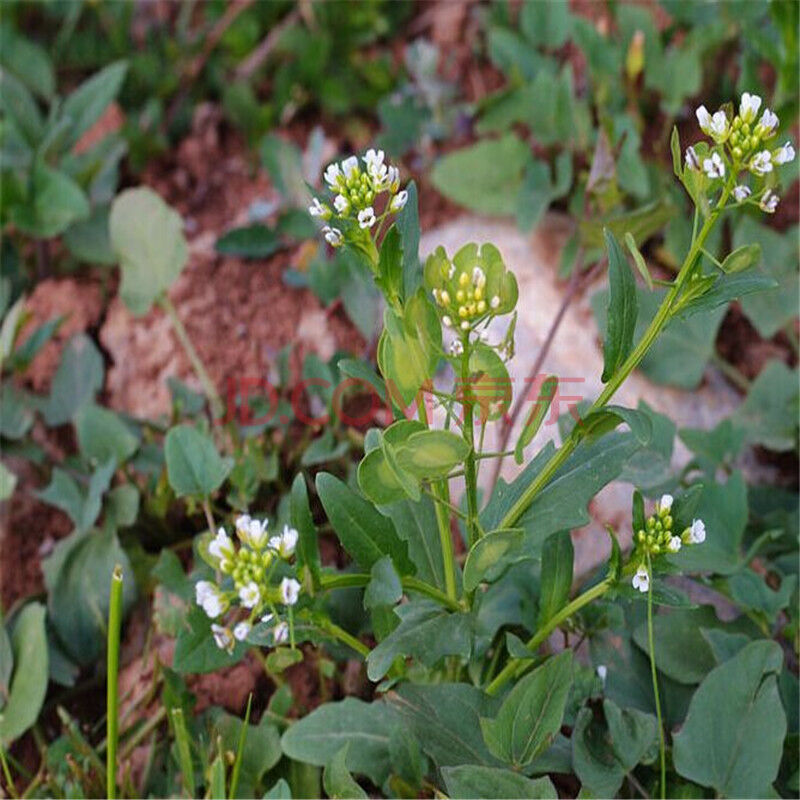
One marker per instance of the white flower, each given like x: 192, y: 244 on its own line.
x: 692, y: 161
x: 208, y: 597
x: 602, y: 672
x: 241, y: 631
x: 223, y: 637
x: 393, y: 179
x: 674, y: 544
x: 202, y: 590
x: 769, y: 202
x: 290, y: 591
x: 398, y: 202
x: 641, y: 580
x: 456, y: 348
x: 221, y: 546
x: 478, y: 278
x: 250, y: 595
x: 374, y: 160
x: 332, y: 175
x: 251, y: 531
x: 447, y: 322
x: 280, y: 633
x: 784, y: 155
x: 333, y: 236
x: 366, y: 218
x: 714, y: 167
x: 341, y: 204
x: 484, y: 336
x: 495, y: 302
x: 465, y: 326
x: 719, y: 127
x: 665, y: 503
x: 768, y: 122
x: 285, y: 544
x: 761, y: 163
x: 317, y: 209
x: 741, y: 193
x: 704, y: 118
x: 748, y: 107
x: 697, y: 533
x: 350, y: 167
x: 267, y: 618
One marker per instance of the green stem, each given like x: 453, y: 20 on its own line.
x: 651, y: 646
x: 631, y: 362
x: 445, y: 539
x: 470, y: 473
x: 237, y: 764
x: 217, y: 406
x: 343, y: 636
x: 354, y: 579
x: 517, y: 666
x: 12, y: 789
x: 730, y: 372
x: 142, y: 733
x: 112, y: 710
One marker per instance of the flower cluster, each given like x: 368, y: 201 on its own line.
x: 658, y: 537
x: 248, y: 581
x: 356, y: 191
x: 740, y: 146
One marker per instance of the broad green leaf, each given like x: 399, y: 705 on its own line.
x: 337, y: 780
x: 82, y: 505
x: 303, y: 522
x: 485, y: 177
x: 487, y: 559
x: 634, y: 734
x: 489, y: 382
x: 365, y: 727
x: 531, y: 713
x: 87, y: 103
x: 147, y: 238
x: 28, y: 61
x: 535, y: 419
x: 732, y: 739
x: 251, y: 241
x: 546, y: 25
x: 742, y: 258
x: 20, y: 106
x: 6, y: 664
x: 726, y: 288
x: 432, y: 454
x: 641, y: 223
x: 472, y: 780
x: 77, y: 380
x: 385, y: 588
x: 622, y: 309
x: 557, y: 557
x: 193, y: 465
x: 751, y: 591
x: 16, y: 416
x: 195, y: 648
x: 122, y: 506
x: 407, y: 223
x: 365, y: 533
x: 279, y: 791
x: 426, y: 632
x: 390, y: 266
x: 284, y: 162
x: 88, y: 240
x: 103, y: 435
x: 406, y: 755
x: 606, y: 419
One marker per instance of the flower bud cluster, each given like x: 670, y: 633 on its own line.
x: 740, y: 145
x: 247, y: 584
x: 462, y: 299
x: 355, y: 191
x: 658, y: 538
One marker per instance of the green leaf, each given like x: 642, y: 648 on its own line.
x: 365, y: 533
x: 485, y: 177
x: 284, y: 162
x: 751, y: 591
x: 725, y: 289
x: 385, y: 588
x: 622, y: 309
x: 147, y: 238
x: 193, y: 465
x: 88, y: 102
x: 546, y: 394
x: 638, y: 259
x: 432, y: 454
x: 81, y: 505
x: 365, y: 727
x: 531, y: 713
x: 88, y: 240
x: 251, y: 241
x: 407, y: 223
x: 28, y: 62
x: 195, y: 648
x: 20, y: 107
x: 390, y: 265
x: 103, y: 435
x: 16, y: 416
x: 487, y: 559
x: 303, y: 522
x: 279, y: 791
x: 557, y: 557
x: 337, y: 781
x: 426, y: 632
x: 122, y: 506
x: 471, y: 780
x: 546, y: 25
x: 732, y: 739
x: 77, y: 380
x: 742, y: 258
x: 29, y: 681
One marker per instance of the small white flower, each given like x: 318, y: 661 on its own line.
x: 692, y: 161
x: 350, y: 167
x: 286, y: 543
x: 714, y: 167
x: 250, y: 595
x: 221, y: 546
x: 697, y: 533
x: 251, y: 531
x: 602, y: 672
x: 280, y: 633
x: 317, y: 209
x: 241, y: 631
x: 465, y: 326
x: 484, y: 336
x: 333, y: 236
x: 748, y: 107
x: 456, y: 347
x: 341, y: 204
x: 332, y: 175
x: 495, y: 302
x: 374, y: 160
x: 665, y: 503
x: 719, y: 127
x: 478, y: 278
x: 704, y: 119
x: 641, y: 580
x: 267, y: 618
x: 769, y: 202
x: 202, y: 590
x: 393, y: 179
x: 213, y: 605
x: 223, y: 637
x: 398, y: 202
x: 761, y: 163
x: 674, y: 544
x: 768, y: 122
x: 784, y: 154
x: 290, y: 591
x: 366, y: 218
x: 741, y: 193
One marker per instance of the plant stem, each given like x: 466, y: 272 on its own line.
x: 217, y: 407
x: 517, y: 666
x: 470, y: 474
x: 12, y: 789
x: 651, y: 646
x: 141, y: 734
x: 237, y: 764
x: 343, y: 636
x: 112, y: 710
x: 730, y: 372
x: 354, y: 579
x: 655, y: 327
x: 445, y: 539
